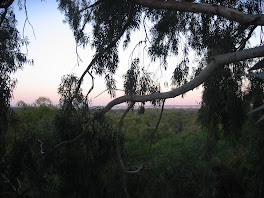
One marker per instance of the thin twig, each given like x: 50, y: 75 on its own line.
x: 244, y: 41
x: 27, y: 20
x: 145, y: 29
x: 157, y: 126
x: 107, y: 90
x: 76, y: 138
x: 77, y: 55
x: 90, y: 90
x: 41, y: 147
x: 123, y: 169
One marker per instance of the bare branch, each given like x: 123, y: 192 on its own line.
x: 123, y: 169
x: 90, y: 90
x: 244, y: 41
x: 157, y: 126
x: 77, y: 55
x: 144, y: 25
x: 41, y: 147
x: 106, y: 91
x: 27, y: 20
x: 229, y: 13
x: 137, y: 170
x: 75, y: 139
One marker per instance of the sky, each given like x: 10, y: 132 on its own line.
x: 52, y: 47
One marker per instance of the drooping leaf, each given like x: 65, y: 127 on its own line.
x: 258, y: 65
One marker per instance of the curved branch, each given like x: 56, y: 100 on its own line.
x: 123, y: 169
x: 90, y: 90
x: 157, y: 126
x: 244, y: 41
x: 216, y: 62
x: 229, y: 13
x: 102, y: 52
x: 73, y: 140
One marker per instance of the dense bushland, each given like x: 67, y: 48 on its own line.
x: 177, y: 165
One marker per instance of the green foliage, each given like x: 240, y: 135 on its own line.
x: 260, y: 75
x: 67, y: 90
x: 176, y: 165
x: 138, y: 81
x: 11, y: 59
x: 221, y: 158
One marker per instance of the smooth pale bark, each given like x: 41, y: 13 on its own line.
x: 215, y: 62
x: 229, y: 13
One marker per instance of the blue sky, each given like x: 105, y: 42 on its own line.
x: 53, y: 51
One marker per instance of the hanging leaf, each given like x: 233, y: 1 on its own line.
x: 258, y: 65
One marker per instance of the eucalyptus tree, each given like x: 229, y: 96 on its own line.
x: 218, y: 32
x: 11, y: 57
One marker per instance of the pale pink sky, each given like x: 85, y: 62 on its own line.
x: 53, y: 52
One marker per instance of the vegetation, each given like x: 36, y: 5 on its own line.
x: 74, y: 150
x: 176, y: 165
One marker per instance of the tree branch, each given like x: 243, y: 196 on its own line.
x: 228, y: 13
x: 41, y: 146
x: 216, y: 62
x: 244, y: 41
x: 123, y: 169
x: 90, y: 6
x: 106, y: 91
x: 90, y: 90
x: 157, y: 126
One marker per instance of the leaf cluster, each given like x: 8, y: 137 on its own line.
x: 138, y: 81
